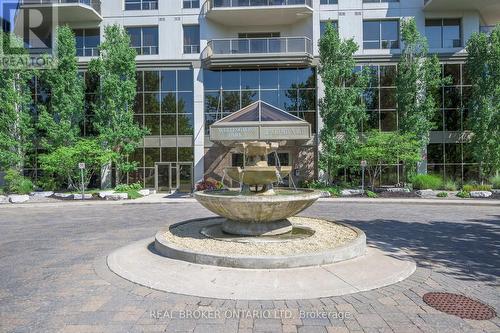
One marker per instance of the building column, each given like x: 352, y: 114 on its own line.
x: 199, y: 126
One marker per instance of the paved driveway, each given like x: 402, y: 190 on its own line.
x: 53, y: 275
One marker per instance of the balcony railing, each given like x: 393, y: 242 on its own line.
x: 95, y: 4
x: 256, y: 3
x: 274, y: 45
x: 87, y: 51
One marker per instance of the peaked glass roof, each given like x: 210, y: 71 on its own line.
x: 260, y: 112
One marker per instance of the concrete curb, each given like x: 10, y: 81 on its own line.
x: 138, y: 264
x: 354, y: 249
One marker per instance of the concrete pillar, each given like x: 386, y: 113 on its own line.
x: 199, y: 126
x: 422, y: 164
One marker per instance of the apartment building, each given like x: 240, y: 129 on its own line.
x: 200, y: 61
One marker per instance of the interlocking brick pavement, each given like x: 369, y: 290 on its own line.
x: 54, y: 278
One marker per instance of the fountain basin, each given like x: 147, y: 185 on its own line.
x: 255, y: 215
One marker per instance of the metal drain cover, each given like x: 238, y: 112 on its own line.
x: 459, y: 305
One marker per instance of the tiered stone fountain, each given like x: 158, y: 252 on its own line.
x: 257, y: 209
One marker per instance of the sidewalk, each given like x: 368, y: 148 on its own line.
x: 164, y: 198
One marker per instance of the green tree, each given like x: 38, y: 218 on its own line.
x: 417, y: 85
x: 483, y: 70
x: 63, y: 162
x: 59, y: 122
x: 114, y: 110
x: 379, y: 149
x: 16, y: 120
x: 341, y: 108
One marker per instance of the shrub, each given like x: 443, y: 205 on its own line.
x: 442, y: 195
x: 209, y: 184
x: 371, y: 194
x: 2, y: 192
x: 334, y: 191
x: 450, y: 185
x: 16, y: 183
x: 424, y: 182
x: 476, y: 187
x: 463, y: 194
x: 48, y: 184
x: 128, y: 187
x: 133, y: 194
x: 495, y: 181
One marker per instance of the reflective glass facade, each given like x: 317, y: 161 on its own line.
x: 164, y: 105
x: 290, y: 89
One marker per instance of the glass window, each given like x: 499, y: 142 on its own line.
x: 87, y: 42
x: 141, y: 4
x: 388, y: 76
x: 191, y: 38
x: 381, y: 34
x: 249, y: 79
x: 144, y: 39
x: 168, y: 103
x: 387, y: 98
x: 288, y: 78
x: 185, y: 124
x: 230, y: 80
x: 388, y: 121
x: 329, y: 2
x: 322, y: 26
x: 452, y: 71
x: 185, y: 80
x: 435, y: 153
x: 443, y: 33
x: 371, y: 34
x: 433, y: 33
x: 169, y: 154
x: 151, y: 103
x: 390, y: 34
x: 151, y: 80
x: 269, y: 79
x: 379, y: 1
x: 185, y: 103
x: 211, y: 79
x: 186, y: 154
x: 190, y: 4
x: 151, y: 156
x: 153, y: 124
x: 168, y: 80
x: 452, y: 33
x: 168, y: 124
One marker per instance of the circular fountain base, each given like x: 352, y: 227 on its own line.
x: 257, y: 229
x: 202, y: 241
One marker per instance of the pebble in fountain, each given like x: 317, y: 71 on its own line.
x: 258, y: 209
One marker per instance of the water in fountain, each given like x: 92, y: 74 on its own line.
x: 258, y: 208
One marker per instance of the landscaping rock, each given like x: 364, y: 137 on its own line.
x: 16, y: 198
x: 350, y: 192
x: 63, y: 195
x: 398, y: 190
x: 117, y: 196
x: 79, y: 196
x: 495, y: 191
x: 426, y: 193
x: 480, y: 194
x: 104, y: 194
x: 42, y: 194
x: 4, y: 199
x: 144, y: 192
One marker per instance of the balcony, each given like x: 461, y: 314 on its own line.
x: 258, y: 52
x: 488, y: 9
x: 257, y: 12
x: 69, y: 11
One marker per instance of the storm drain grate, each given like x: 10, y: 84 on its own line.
x: 459, y: 305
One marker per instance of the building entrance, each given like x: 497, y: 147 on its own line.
x: 173, y: 177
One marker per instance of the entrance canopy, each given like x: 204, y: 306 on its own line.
x: 260, y: 121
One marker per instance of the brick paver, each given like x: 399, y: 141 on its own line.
x: 53, y: 275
